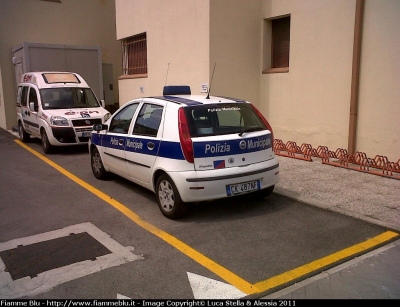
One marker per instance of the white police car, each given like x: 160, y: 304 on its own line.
x: 187, y: 148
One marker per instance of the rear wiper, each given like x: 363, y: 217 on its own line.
x: 250, y: 129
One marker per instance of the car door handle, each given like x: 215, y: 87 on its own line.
x: 121, y: 142
x: 150, y: 145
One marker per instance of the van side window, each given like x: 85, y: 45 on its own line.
x: 148, y: 120
x: 121, y: 121
x: 24, y: 96
x: 33, y: 98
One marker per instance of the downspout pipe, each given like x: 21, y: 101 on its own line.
x: 355, y: 75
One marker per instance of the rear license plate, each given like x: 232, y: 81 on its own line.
x: 244, y: 187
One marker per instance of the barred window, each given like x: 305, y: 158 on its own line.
x: 134, y: 52
x: 276, y: 45
x: 280, y: 42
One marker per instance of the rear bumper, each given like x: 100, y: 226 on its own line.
x: 211, y: 184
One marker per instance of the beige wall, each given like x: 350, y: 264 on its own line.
x: 177, y: 33
x: 72, y: 22
x: 310, y: 103
x: 235, y: 47
x: 378, y: 131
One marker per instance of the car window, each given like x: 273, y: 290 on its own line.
x: 24, y: 96
x: 148, y: 120
x: 33, y: 98
x: 222, y: 119
x: 122, y: 120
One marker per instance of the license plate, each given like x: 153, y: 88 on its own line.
x: 86, y: 134
x: 244, y: 187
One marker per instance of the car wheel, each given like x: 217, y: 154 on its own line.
x: 260, y: 195
x: 47, y: 147
x: 168, y: 198
x: 23, y: 135
x: 97, y: 165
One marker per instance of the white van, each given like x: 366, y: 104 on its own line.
x: 58, y: 107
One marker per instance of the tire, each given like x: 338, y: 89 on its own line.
x: 168, y: 198
x: 97, y: 165
x: 23, y: 135
x: 46, y: 146
x: 260, y: 195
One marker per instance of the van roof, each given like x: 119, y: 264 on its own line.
x: 50, y: 79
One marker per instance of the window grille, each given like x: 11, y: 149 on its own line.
x: 280, y: 42
x: 134, y: 52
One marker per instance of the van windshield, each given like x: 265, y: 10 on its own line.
x: 219, y: 119
x: 68, y: 98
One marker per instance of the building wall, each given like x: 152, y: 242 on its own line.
x: 378, y: 130
x: 72, y: 22
x: 235, y: 47
x: 310, y: 103
x: 177, y: 44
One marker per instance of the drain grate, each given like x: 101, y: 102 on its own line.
x: 33, y: 259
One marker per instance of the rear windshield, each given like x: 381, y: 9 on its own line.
x: 222, y: 119
x: 68, y: 98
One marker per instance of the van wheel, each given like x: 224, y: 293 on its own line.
x: 23, y: 135
x: 47, y: 147
x: 168, y: 198
x: 97, y: 165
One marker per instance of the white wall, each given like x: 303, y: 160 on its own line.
x: 177, y: 33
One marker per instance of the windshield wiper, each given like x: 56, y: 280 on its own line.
x: 250, y: 129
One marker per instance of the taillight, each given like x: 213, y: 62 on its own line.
x: 184, y: 136
x: 266, y: 124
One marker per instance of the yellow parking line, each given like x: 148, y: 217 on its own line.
x: 323, y: 262
x: 214, y: 267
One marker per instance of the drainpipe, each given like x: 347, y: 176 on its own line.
x: 355, y: 76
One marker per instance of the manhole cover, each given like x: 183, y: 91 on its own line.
x: 33, y: 259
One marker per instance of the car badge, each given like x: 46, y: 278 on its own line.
x: 87, y: 122
x: 231, y: 160
x: 242, y: 144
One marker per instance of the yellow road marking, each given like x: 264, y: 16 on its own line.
x: 323, y: 262
x: 214, y: 267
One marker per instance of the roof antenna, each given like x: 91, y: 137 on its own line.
x: 209, y: 88
x: 166, y: 77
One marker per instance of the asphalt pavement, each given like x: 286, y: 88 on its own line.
x: 368, y: 197
x: 372, y: 198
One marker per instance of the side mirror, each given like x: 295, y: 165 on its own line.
x: 103, y: 103
x: 99, y: 127
x: 33, y: 107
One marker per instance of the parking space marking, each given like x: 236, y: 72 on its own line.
x: 208, y: 263
x: 324, y: 262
